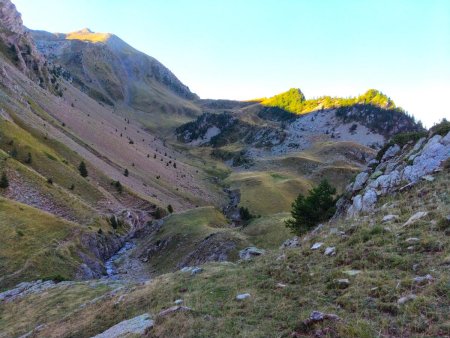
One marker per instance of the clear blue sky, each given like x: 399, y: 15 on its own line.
x: 242, y: 49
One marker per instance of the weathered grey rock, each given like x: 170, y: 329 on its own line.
x: 250, y: 252
x: 418, y: 215
x: 352, y: 272
x: 391, y: 152
x: 293, y: 242
x: 422, y: 279
x: 138, y: 325
x: 369, y: 200
x: 360, y: 180
x: 330, y: 251
x: 27, y: 288
x: 412, y: 240
x: 281, y: 285
x: 196, y: 270
x: 389, y: 218
x: 428, y: 178
x: 386, y: 183
x: 433, y: 154
x: 317, y: 316
x: 342, y: 283
x: 406, y: 299
x: 316, y: 246
x: 178, y: 302
x: 176, y: 308
x: 243, y: 296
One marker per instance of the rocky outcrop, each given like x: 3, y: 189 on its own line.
x: 399, y: 167
x: 18, y: 46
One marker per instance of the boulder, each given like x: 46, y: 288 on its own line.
x: 391, y: 152
x: 136, y: 326
x: 330, y: 251
x: 293, y: 242
x: 418, y: 215
x: 360, y: 180
x: 250, y: 252
x: 316, y: 246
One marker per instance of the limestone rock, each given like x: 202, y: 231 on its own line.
x: 418, y: 215
x: 389, y: 218
x: 136, y: 326
x: 391, y: 152
x: 316, y: 246
x: 330, y: 251
x: 293, y: 242
x: 250, y: 252
x: 243, y: 296
x: 360, y: 180
x: 422, y: 279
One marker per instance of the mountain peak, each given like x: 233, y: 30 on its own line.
x: 88, y: 35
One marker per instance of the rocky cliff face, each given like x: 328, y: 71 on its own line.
x: 17, y: 45
x: 398, y: 166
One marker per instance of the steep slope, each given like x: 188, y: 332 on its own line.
x: 112, y: 72
x: 47, y: 131
x: 17, y: 46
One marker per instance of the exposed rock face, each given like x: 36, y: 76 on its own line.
x: 18, y: 46
x: 399, y: 167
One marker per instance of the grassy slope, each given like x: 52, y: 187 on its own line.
x: 35, y: 244
x: 266, y: 193
x: 184, y: 231
x: 367, y: 308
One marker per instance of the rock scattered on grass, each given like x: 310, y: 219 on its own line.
x: 243, y: 296
x: 343, y: 283
x: 316, y: 246
x: 405, y: 299
x: 136, y: 326
x: 250, y: 252
x: 422, y: 279
x: 293, y: 242
x: 196, y: 270
x: 330, y: 251
x: 317, y: 317
x: 176, y: 308
x: 418, y: 215
x: 178, y: 302
x: 389, y: 218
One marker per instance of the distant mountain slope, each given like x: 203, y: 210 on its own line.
x: 111, y: 71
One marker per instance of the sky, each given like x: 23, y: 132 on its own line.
x: 244, y: 49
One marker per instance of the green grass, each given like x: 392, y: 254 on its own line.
x: 183, y: 232
x: 267, y: 232
x: 266, y: 193
x: 49, y: 158
x: 367, y: 307
x: 35, y: 244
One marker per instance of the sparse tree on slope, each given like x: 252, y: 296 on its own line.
x: 308, y: 211
x: 82, y: 169
x: 4, y: 182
